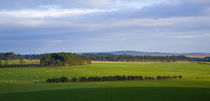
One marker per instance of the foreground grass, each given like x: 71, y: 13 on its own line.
x: 20, y: 83
x: 114, y: 94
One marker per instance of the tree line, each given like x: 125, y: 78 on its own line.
x: 137, y: 58
x: 10, y: 56
x: 110, y: 78
x: 63, y: 59
x: 32, y: 56
x: 102, y: 57
x: 206, y: 59
x: 48, y: 59
x: 13, y: 56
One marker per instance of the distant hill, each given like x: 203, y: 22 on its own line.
x: 140, y: 53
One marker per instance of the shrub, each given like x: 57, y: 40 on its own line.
x: 109, y: 78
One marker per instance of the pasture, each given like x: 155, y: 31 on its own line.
x: 28, y: 83
x: 13, y: 62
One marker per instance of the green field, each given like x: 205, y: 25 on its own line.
x: 9, y: 62
x: 24, y: 84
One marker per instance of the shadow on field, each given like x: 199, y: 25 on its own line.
x: 114, y: 94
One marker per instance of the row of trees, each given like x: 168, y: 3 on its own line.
x: 109, y: 57
x: 51, y: 59
x: 206, y: 59
x: 32, y: 56
x: 136, y: 58
x: 5, y: 60
x: 10, y: 56
x: 169, y: 77
x: 13, y: 56
x: 63, y: 59
x: 110, y: 78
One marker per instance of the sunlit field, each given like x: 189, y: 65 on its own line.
x: 9, y: 62
x: 28, y: 83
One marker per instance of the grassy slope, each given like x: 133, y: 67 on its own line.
x: 18, y: 83
x: 114, y: 94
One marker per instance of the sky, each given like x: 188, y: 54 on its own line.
x: 45, y: 26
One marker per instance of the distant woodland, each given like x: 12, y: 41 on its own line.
x: 13, y: 56
x: 46, y: 60
x: 130, y: 58
x: 69, y: 59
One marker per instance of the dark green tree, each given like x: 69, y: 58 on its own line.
x: 63, y: 59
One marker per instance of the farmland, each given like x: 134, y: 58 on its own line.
x: 28, y: 83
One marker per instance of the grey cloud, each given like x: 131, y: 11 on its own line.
x: 159, y: 26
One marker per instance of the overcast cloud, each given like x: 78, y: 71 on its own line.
x: 39, y: 26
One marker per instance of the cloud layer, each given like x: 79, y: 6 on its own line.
x: 38, y: 26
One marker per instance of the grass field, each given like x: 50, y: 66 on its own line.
x: 18, y: 62
x: 23, y: 84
